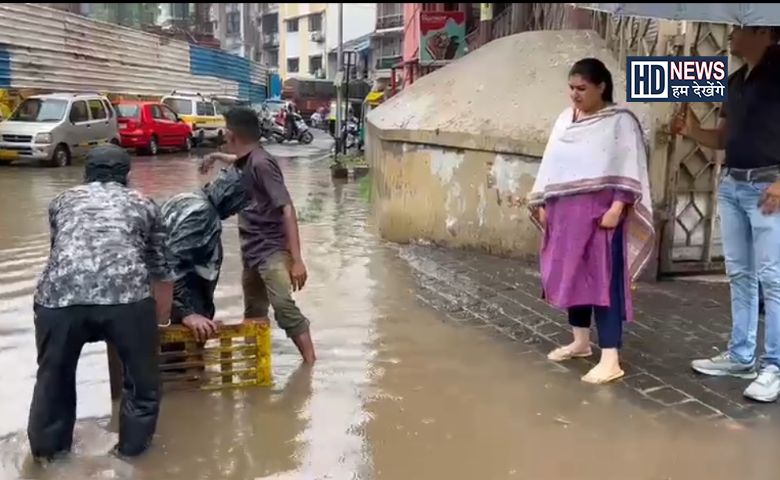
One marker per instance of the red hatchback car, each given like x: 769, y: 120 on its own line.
x: 149, y: 127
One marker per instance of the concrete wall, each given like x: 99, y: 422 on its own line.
x: 453, y: 197
x: 454, y: 154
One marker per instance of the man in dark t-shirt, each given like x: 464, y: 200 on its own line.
x: 749, y: 207
x: 268, y: 230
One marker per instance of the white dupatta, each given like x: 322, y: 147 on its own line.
x: 605, y: 150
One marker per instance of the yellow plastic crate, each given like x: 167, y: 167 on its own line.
x: 239, y: 357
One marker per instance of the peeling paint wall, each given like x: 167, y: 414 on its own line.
x: 455, y: 198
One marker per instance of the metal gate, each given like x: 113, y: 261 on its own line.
x: 690, y: 242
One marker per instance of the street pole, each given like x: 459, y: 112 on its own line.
x: 242, y: 30
x: 346, y: 117
x: 340, y: 61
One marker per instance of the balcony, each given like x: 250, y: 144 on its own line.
x: 386, y: 22
x: 271, y: 40
x: 269, y: 8
x: 386, y: 63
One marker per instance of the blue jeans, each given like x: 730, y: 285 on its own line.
x: 751, y: 245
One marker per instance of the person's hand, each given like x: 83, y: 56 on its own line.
x: 770, y: 199
x: 298, y: 275
x: 542, y: 214
x: 202, y: 327
x: 207, y: 162
x: 611, y: 218
x: 684, y: 122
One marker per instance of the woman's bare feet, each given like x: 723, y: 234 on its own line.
x: 607, y: 370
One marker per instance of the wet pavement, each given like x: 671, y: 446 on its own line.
x: 406, y: 386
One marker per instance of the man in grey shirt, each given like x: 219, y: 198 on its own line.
x: 268, y: 229
x: 107, y: 278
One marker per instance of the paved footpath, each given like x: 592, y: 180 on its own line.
x: 675, y: 322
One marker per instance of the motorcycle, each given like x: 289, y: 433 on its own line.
x: 272, y: 130
x: 304, y: 134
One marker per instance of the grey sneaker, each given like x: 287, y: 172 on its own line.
x: 723, y: 365
x: 766, y: 388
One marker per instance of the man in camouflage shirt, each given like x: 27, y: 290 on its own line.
x: 194, y: 223
x: 107, y: 278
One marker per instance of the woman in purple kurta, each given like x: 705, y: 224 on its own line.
x: 592, y: 199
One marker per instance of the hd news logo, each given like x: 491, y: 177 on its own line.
x: 677, y: 79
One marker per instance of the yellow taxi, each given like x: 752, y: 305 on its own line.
x: 200, y: 112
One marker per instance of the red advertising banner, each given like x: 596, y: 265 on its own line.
x: 442, y: 36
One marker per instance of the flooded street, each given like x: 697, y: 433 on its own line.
x: 398, y: 392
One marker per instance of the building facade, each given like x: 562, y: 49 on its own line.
x: 388, y: 40
x: 308, y: 36
x: 270, y: 25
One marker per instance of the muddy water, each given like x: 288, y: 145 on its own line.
x: 397, y: 393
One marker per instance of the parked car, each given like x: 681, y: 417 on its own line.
x: 200, y: 112
x: 58, y: 127
x: 149, y: 127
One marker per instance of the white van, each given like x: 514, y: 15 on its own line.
x: 58, y: 127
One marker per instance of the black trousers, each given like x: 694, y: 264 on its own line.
x: 292, y: 129
x: 60, y: 334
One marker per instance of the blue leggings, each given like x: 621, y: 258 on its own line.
x: 609, y: 320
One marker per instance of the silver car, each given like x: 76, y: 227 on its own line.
x: 56, y: 128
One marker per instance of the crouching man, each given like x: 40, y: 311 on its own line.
x: 107, y: 278
x: 194, y: 223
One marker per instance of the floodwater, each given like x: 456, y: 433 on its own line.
x: 397, y: 393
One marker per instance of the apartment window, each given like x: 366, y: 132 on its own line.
x: 390, y: 47
x: 271, y: 23
x: 389, y: 9
x: 273, y: 58
x: 315, y: 22
x: 292, y: 25
x: 292, y: 65
x: 233, y: 18
x: 315, y: 64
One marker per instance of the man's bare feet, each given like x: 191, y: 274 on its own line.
x: 305, y: 347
